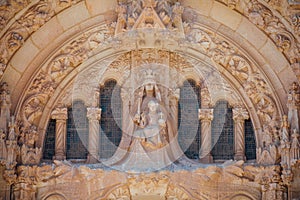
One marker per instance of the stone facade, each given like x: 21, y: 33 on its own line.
x: 53, y: 53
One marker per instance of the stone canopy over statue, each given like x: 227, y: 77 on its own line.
x: 153, y: 144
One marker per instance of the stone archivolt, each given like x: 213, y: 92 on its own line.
x: 21, y: 29
x: 41, y: 12
x: 254, y: 182
x: 285, y: 37
x: 217, y: 48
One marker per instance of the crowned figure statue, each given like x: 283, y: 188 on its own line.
x: 154, y: 144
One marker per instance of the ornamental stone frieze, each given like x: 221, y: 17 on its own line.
x: 283, y: 32
x: 30, y: 21
x: 89, y: 183
x: 229, y: 57
x: 52, y: 73
x: 169, y: 15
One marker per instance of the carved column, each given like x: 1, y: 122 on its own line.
x: 239, y: 117
x: 94, y: 115
x: 61, y: 116
x: 206, y: 116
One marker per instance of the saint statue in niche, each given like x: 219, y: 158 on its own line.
x: 153, y: 144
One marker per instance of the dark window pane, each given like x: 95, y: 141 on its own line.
x: 250, y: 141
x: 188, y: 122
x: 77, y: 131
x: 222, y: 132
x: 49, y: 145
x: 111, y: 118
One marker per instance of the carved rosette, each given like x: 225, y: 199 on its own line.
x: 61, y: 116
x: 283, y: 32
x: 27, y: 23
x: 231, y: 59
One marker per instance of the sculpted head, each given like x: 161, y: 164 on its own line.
x: 152, y: 105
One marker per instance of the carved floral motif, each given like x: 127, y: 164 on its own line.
x: 33, y: 18
x: 286, y: 37
x: 66, y: 60
x: 240, y: 67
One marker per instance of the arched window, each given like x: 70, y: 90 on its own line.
x: 77, y: 131
x: 49, y: 145
x: 250, y: 145
x: 188, y: 122
x: 222, y: 132
x: 111, y: 118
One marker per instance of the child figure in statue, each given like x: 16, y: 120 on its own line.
x: 151, y: 127
x: 154, y: 144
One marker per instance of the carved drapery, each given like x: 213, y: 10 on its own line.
x: 239, y: 117
x: 93, y: 115
x: 206, y: 116
x: 61, y: 116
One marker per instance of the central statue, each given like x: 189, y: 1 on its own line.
x: 153, y: 141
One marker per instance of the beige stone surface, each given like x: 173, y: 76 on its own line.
x: 273, y: 56
x: 225, y: 16
x: 100, y: 6
x: 202, y: 6
x: 24, y: 56
x: 73, y: 16
x: 251, y: 33
x: 47, y: 33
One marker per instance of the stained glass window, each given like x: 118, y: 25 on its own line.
x: 250, y: 145
x: 77, y: 131
x: 49, y: 145
x: 222, y: 132
x: 188, y: 122
x: 111, y: 118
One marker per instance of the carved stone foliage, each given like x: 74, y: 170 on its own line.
x: 84, y: 183
x: 242, y: 69
x: 8, y: 10
x: 286, y: 37
x: 33, y: 18
x: 62, y: 63
x: 149, y: 14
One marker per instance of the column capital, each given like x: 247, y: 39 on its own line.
x: 206, y: 114
x: 240, y: 114
x: 60, y: 113
x: 205, y: 98
x: 94, y: 113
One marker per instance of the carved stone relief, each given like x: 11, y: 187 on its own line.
x: 286, y: 37
x: 164, y: 185
x: 36, y: 16
x: 242, y: 69
x: 59, y: 66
